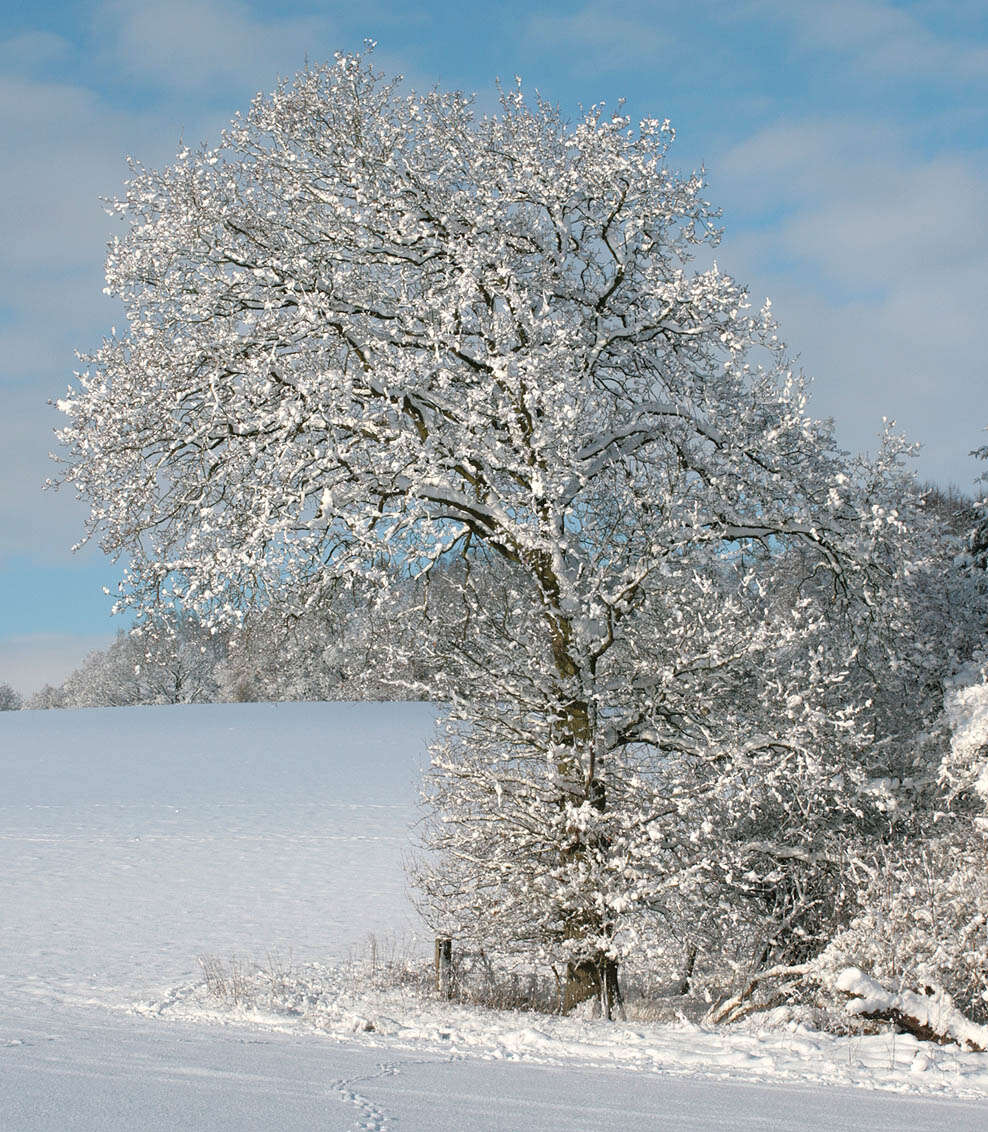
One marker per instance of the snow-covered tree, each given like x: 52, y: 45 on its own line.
x: 341, y: 647
x: 9, y: 699
x: 46, y: 698
x: 370, y: 332
x: 919, y: 637
x: 174, y: 660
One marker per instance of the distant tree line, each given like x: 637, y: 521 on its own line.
x: 345, y: 647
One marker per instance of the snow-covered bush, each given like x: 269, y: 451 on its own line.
x: 350, y: 644
x: 318, y: 653
x: 978, y: 536
x: 922, y: 921
x: 45, y: 698
x: 964, y: 768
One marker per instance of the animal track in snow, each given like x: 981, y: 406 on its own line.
x: 372, y: 1118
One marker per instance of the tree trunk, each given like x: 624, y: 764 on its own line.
x: 595, y: 976
x: 687, y: 976
x: 588, y: 980
x: 581, y: 779
x: 610, y: 990
x: 927, y: 1014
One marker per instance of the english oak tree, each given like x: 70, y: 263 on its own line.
x: 372, y: 331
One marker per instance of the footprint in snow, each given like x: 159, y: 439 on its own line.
x: 371, y: 1117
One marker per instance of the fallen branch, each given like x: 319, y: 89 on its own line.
x: 735, y: 1008
x: 929, y: 1016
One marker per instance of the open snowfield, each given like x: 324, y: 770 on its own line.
x: 133, y: 841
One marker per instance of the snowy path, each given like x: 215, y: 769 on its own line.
x: 134, y: 840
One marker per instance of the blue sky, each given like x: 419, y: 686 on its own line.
x: 846, y: 142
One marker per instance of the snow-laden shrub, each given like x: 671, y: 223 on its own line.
x: 922, y: 923
x: 965, y: 765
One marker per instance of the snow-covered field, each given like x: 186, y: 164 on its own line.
x: 134, y: 841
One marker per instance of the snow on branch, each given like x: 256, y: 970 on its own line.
x: 930, y: 1015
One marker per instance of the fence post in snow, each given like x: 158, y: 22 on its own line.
x: 444, y: 966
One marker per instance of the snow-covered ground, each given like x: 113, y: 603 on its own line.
x: 134, y: 841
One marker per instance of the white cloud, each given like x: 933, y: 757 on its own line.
x: 862, y: 206
x: 64, y: 150
x: 923, y: 220
x: 34, y: 522
x: 883, y: 38
x: 877, y: 262
x: 887, y: 359
x: 33, y: 49
x: 63, y: 147
x: 60, y: 149
x: 201, y: 46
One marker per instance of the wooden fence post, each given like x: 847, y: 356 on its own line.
x: 444, y: 967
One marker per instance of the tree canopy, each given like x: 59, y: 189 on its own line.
x: 372, y: 331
